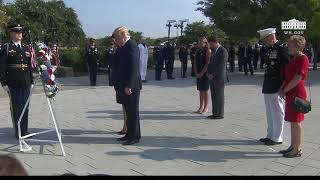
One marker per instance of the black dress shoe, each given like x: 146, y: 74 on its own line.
x: 144, y: 81
x: 123, y: 139
x: 211, y: 117
x: 122, y: 133
x: 272, y: 143
x: 171, y: 78
x: 264, y: 140
x: 218, y: 117
x: 130, y: 142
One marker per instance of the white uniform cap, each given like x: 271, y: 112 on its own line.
x: 266, y: 32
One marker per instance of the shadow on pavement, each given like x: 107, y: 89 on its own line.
x: 166, y: 154
x: 147, y: 115
x: 167, y: 147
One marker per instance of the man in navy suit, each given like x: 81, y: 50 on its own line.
x: 128, y: 82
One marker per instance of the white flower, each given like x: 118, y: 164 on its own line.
x: 43, y: 67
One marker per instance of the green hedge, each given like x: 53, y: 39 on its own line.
x: 74, y: 58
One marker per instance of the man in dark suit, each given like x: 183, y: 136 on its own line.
x: 128, y: 82
x: 183, y: 56
x: 241, y: 56
x: 217, y: 76
x: 246, y: 54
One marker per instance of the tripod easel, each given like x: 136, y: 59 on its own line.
x: 24, y: 147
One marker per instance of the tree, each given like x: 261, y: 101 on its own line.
x: 242, y: 19
x: 197, y: 30
x: 48, y: 16
x: 136, y: 35
x: 3, y: 18
x: 238, y: 19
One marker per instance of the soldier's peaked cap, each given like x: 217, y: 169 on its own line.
x: 16, y: 28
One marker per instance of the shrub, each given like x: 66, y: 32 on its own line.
x: 74, y: 58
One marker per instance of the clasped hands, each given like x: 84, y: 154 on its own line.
x: 127, y: 91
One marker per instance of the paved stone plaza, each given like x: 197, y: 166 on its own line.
x: 175, y: 141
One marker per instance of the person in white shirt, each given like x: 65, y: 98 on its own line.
x: 144, y: 55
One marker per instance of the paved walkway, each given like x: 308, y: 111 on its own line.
x: 175, y: 141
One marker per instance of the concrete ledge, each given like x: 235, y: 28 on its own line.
x: 65, y: 72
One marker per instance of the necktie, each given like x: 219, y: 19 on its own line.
x: 18, y: 45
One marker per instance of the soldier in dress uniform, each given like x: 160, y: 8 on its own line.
x: 183, y: 56
x: 158, y: 59
x: 193, y: 51
x: 248, y: 54
x: 144, y: 56
x: 16, y: 77
x: 232, y: 57
x: 92, y: 57
x: 256, y: 56
x: 110, y: 57
x: 169, y: 59
x: 263, y: 56
x: 274, y: 76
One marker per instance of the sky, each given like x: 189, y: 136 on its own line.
x: 100, y: 17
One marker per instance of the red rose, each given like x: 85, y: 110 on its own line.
x: 40, y: 54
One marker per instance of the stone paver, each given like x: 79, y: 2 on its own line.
x: 175, y: 141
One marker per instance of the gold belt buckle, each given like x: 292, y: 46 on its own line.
x: 24, y: 66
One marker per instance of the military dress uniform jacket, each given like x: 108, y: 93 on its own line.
x: 92, y: 55
x: 157, y: 55
x: 110, y: 56
x: 15, y: 66
x: 277, y: 58
x: 183, y: 54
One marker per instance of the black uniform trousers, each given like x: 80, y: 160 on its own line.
x: 93, y: 71
x: 255, y: 62
x: 110, y: 69
x: 18, y: 98
x: 248, y: 64
x: 184, y: 67
x: 240, y: 64
x: 192, y: 70
x: 131, y: 105
x: 262, y: 62
x: 232, y: 64
x: 159, y: 68
x: 217, y: 96
x: 169, y: 67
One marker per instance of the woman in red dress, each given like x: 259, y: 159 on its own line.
x: 295, y: 74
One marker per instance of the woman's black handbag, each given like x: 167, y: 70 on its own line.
x: 301, y: 105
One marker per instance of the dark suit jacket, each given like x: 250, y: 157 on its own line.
x: 127, y: 68
x: 242, y: 51
x: 218, y: 65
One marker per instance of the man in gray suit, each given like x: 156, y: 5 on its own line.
x: 217, y: 76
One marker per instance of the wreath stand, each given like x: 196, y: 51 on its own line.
x: 24, y: 147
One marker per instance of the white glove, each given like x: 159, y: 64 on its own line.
x: 6, y: 88
x: 32, y: 86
